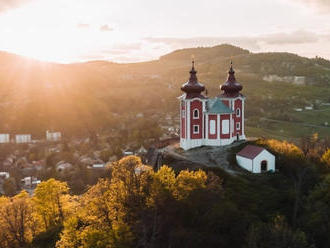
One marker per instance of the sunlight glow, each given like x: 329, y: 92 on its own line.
x: 130, y: 31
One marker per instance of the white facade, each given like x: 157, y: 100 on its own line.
x: 22, y: 138
x: 264, y: 161
x: 4, y: 138
x: 4, y: 175
x: 53, y: 136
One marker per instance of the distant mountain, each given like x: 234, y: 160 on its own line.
x: 75, y: 98
x: 204, y: 54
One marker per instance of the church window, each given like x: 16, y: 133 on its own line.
x: 225, y: 126
x: 238, y: 112
x: 238, y: 126
x: 212, y: 126
x: 196, y: 129
x: 196, y: 114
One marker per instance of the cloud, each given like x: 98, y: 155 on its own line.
x: 82, y: 25
x: 9, y: 4
x: 296, y: 37
x: 323, y: 6
x: 127, y: 46
x: 106, y: 28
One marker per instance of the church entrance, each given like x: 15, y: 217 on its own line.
x: 263, y: 166
x: 237, y: 137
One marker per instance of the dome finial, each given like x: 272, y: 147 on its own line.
x: 193, y: 62
x: 193, y: 72
x: 231, y: 70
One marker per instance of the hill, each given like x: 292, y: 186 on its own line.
x: 98, y: 95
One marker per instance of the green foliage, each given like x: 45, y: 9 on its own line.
x: 277, y: 234
x: 316, y: 219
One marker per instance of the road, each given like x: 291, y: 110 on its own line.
x: 297, y: 123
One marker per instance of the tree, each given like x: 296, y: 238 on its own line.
x: 316, y: 219
x: 326, y: 157
x: 10, y: 187
x: 277, y: 234
x: 49, y: 199
x: 17, y: 222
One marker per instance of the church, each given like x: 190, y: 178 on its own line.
x: 207, y: 121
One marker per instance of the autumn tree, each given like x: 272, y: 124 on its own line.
x: 49, y: 200
x: 326, y: 157
x: 17, y: 221
x: 134, y: 208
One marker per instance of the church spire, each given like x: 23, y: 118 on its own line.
x: 231, y: 73
x: 231, y: 87
x: 193, y: 88
x: 193, y: 72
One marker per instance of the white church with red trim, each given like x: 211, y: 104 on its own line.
x: 207, y: 121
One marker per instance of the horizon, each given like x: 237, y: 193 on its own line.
x: 70, y: 32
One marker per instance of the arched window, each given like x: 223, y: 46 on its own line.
x: 263, y: 166
x: 196, y: 114
x: 238, y: 112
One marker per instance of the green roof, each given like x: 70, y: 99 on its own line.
x: 216, y: 106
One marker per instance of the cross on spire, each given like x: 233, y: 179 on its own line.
x: 193, y: 61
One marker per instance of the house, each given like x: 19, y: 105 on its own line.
x: 4, y: 175
x: 62, y: 165
x: 22, y: 138
x: 53, y: 136
x: 4, y: 138
x: 142, y: 150
x: 256, y: 159
x: 30, y: 181
x: 98, y: 166
x: 208, y: 121
x: 128, y: 153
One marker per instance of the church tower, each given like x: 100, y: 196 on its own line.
x: 192, y: 108
x: 212, y: 122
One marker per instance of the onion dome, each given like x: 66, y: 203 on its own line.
x: 231, y: 87
x: 193, y: 88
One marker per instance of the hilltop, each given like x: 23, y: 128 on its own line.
x: 97, y: 95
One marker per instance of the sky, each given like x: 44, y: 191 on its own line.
x: 68, y: 31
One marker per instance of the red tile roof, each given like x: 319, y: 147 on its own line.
x: 250, y: 151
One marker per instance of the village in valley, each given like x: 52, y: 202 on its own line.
x: 25, y: 161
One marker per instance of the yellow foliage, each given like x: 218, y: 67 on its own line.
x: 326, y: 157
x: 49, y: 201
x: 166, y: 177
x: 283, y: 147
x: 188, y: 181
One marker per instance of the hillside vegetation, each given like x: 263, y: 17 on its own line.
x: 135, y: 206
x: 93, y: 97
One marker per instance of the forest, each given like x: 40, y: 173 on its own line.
x: 137, y: 206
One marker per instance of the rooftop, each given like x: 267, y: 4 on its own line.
x: 250, y: 151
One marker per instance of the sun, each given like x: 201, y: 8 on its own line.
x: 45, y: 30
